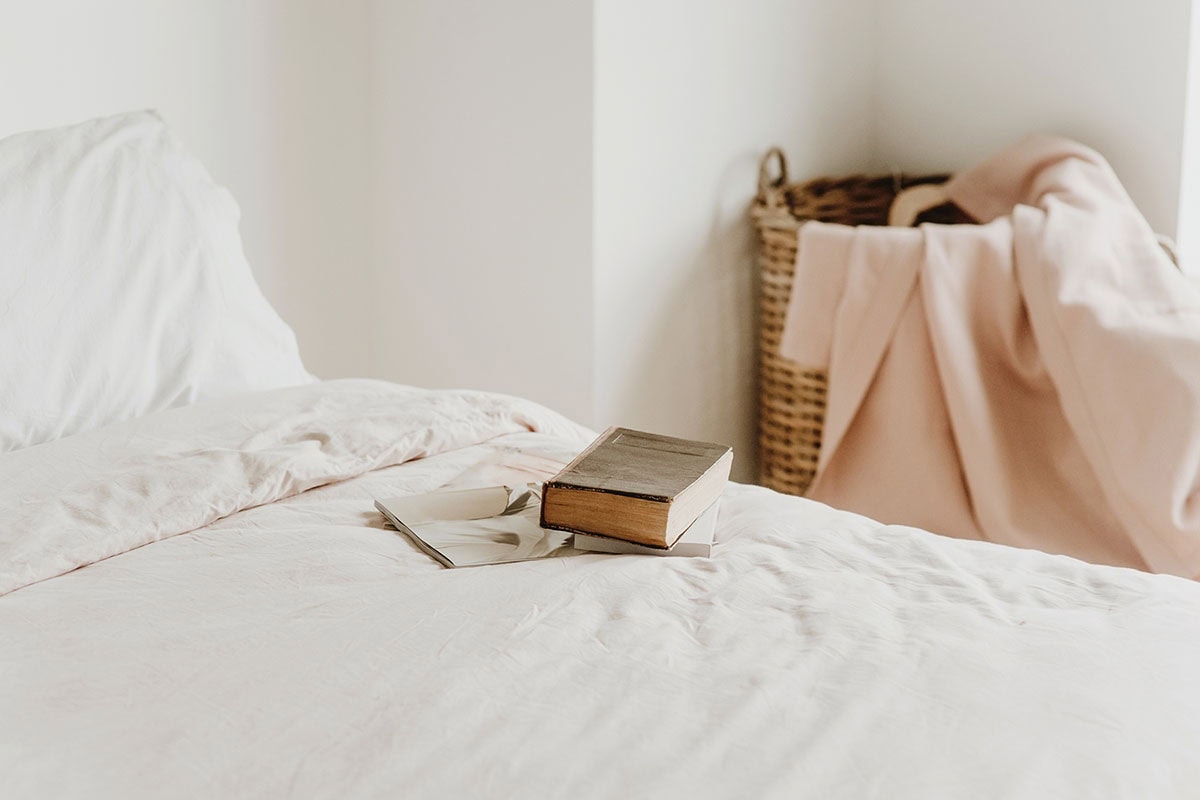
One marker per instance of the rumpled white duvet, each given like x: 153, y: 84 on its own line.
x: 204, y: 603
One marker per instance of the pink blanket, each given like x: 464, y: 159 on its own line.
x: 1033, y: 380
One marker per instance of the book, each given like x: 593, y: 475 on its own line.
x: 697, y: 540
x: 637, y: 486
x: 474, y: 527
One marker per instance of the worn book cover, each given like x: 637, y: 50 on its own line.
x: 638, y: 486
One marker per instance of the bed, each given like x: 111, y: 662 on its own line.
x: 197, y: 599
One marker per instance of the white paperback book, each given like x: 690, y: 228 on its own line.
x: 473, y: 527
x: 696, y: 540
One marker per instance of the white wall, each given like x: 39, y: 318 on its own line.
x: 571, y: 226
x: 483, y: 188
x: 959, y: 80
x: 689, y: 95
x: 271, y: 95
x: 461, y: 193
x: 1188, y: 233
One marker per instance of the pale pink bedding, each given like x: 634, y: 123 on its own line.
x: 298, y: 648
x: 1033, y: 380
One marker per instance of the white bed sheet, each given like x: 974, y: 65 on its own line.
x: 300, y: 649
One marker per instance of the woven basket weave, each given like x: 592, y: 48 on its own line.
x: 791, y: 398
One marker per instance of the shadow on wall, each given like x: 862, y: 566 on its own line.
x: 701, y: 351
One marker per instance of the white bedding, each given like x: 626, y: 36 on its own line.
x: 299, y: 648
x: 123, y: 286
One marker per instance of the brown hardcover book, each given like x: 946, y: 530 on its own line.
x: 641, y: 487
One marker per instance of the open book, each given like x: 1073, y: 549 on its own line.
x: 473, y: 527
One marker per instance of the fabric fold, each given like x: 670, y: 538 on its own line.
x: 1041, y: 387
x: 87, y: 497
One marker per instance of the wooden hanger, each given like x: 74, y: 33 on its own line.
x: 911, y: 202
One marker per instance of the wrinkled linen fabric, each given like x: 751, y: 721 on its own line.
x: 298, y: 648
x: 1032, y: 380
x: 134, y: 483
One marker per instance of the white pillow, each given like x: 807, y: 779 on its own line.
x: 123, y: 286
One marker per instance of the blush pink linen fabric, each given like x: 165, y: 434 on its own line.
x: 1033, y: 380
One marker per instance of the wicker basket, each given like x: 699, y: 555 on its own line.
x: 792, y: 399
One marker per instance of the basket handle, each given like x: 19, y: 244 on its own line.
x: 764, y: 170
